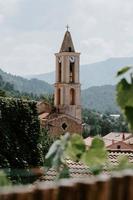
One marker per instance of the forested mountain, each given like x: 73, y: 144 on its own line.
x: 29, y: 86
x: 95, y: 74
x: 100, y: 98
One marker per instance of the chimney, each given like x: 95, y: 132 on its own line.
x: 123, y: 137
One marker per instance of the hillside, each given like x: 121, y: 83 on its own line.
x: 95, y: 74
x: 34, y: 86
x: 100, y: 98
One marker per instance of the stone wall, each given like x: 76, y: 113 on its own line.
x: 61, y: 125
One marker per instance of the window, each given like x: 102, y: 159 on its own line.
x: 59, y: 72
x: 72, y: 96
x: 71, y: 72
x: 118, y: 146
x: 70, y: 49
x: 64, y: 126
x: 58, y: 97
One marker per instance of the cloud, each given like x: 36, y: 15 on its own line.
x: 32, y: 31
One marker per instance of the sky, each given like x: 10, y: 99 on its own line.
x: 31, y: 31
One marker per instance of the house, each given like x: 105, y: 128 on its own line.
x: 117, y: 140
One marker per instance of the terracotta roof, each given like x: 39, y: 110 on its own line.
x: 67, y: 44
x: 129, y: 141
x: 123, y: 145
x: 78, y: 170
x: 117, y: 136
x: 56, y: 116
x: 109, y: 141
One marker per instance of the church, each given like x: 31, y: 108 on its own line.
x: 66, y: 115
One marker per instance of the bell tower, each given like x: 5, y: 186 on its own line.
x: 67, y: 86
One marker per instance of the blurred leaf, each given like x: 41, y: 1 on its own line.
x: 124, y: 94
x: 56, y: 157
x: 53, y: 149
x: 125, y: 99
x: 4, y: 181
x: 123, y: 71
x: 96, y: 156
x: 76, y: 147
x: 97, y: 143
x: 129, y: 116
x: 123, y: 163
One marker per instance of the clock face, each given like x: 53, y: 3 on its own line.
x: 59, y: 59
x: 72, y: 59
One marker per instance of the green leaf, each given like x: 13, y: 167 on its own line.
x: 4, y: 181
x: 97, y: 143
x: 53, y: 149
x: 76, y: 147
x: 123, y: 71
x: 96, y: 156
x: 129, y: 116
x: 56, y: 157
x: 123, y: 163
x: 124, y: 94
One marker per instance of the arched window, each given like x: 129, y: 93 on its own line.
x: 59, y: 72
x: 59, y: 97
x: 71, y: 72
x: 70, y: 49
x: 72, y: 96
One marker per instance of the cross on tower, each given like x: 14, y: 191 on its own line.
x: 67, y: 27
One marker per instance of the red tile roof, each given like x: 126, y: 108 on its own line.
x: 79, y: 170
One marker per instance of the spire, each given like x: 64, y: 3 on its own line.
x: 67, y: 44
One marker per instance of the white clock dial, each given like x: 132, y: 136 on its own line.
x: 72, y: 59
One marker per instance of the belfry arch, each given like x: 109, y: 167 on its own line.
x: 59, y: 96
x: 60, y: 72
x: 72, y: 96
x: 71, y: 72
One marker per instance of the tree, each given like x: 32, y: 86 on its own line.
x: 46, y: 141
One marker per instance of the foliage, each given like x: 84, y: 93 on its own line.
x: 123, y: 163
x: 19, y: 134
x: 34, y: 86
x: 125, y: 95
x: 4, y: 181
x: 101, y: 124
x: 49, y: 98
x: 73, y: 147
x: 96, y: 156
x: 46, y: 140
x: 2, y: 93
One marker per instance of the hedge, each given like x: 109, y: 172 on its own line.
x: 19, y: 134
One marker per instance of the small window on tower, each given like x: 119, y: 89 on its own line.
x: 72, y: 96
x: 58, y: 96
x: 64, y: 126
x: 70, y: 49
x: 71, y: 72
x: 59, y: 72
